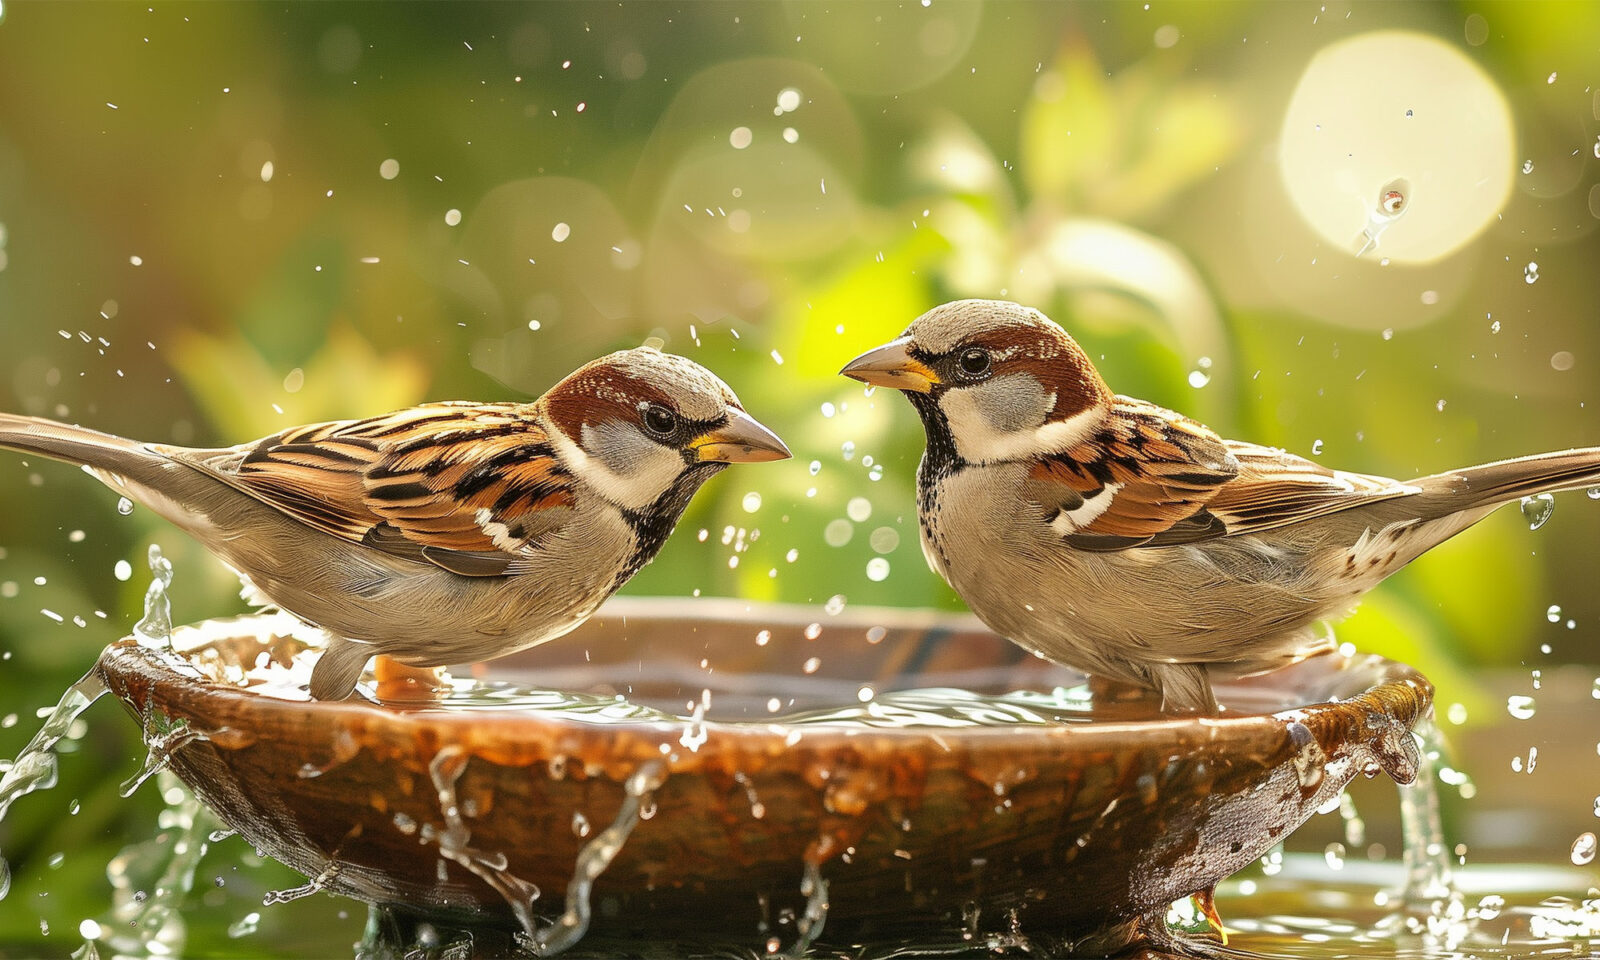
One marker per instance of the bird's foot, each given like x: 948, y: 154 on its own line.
x: 399, y: 681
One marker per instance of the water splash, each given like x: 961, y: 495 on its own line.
x: 151, y: 879
x: 162, y: 738
x: 593, y: 860
x: 1434, y: 905
x: 809, y: 925
x: 155, y: 627
x: 446, y: 769
x: 35, y: 766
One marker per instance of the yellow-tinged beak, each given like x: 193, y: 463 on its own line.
x: 892, y: 366
x: 741, y: 440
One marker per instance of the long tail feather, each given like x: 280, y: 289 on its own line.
x: 1507, y: 480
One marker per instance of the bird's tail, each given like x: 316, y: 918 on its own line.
x: 1492, y: 484
x: 108, y: 457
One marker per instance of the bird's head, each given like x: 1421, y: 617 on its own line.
x: 638, y: 424
x: 998, y: 380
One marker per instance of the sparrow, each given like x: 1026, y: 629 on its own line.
x: 448, y: 532
x: 1130, y: 542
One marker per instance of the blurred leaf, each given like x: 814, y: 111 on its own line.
x: 1123, y: 146
x: 346, y: 377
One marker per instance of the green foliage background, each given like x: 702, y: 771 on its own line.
x: 159, y: 282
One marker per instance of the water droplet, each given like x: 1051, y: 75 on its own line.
x: 1334, y: 854
x: 812, y: 631
x: 848, y: 450
x: 1198, y: 378
x: 811, y: 665
x: 1392, y: 201
x: 740, y: 138
x: 580, y: 825
x: 1593, y: 493
x: 828, y: 409
x: 1520, y: 707
x: 1530, y: 273
x: 1583, y: 849
x: 122, y: 571
x: 389, y: 169
x: 1490, y: 906
x: 1527, y: 166
x: 452, y: 217
x: 244, y: 926
x: 1554, y: 613
x: 858, y: 509
x: 835, y: 604
x: 877, y: 569
x: 124, y: 506
x: 560, y: 232
x: 876, y: 473
x: 1537, y: 509
x: 838, y: 532
x: 1494, y: 327
x: 752, y: 502
x: 788, y: 99
x: 815, y: 467
x: 1316, y: 447
x: 1552, y: 79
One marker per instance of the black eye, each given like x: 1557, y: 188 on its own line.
x: 974, y: 363
x: 659, y: 420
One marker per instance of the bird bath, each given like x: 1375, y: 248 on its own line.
x: 734, y: 772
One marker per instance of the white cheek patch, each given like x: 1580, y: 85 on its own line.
x: 645, y: 478
x: 1068, y: 522
x: 979, y: 440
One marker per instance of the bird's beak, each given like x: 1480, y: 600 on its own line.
x: 892, y: 366
x: 741, y: 440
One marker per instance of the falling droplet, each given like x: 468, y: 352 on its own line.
x: 1198, y: 378
x: 1593, y: 493
x: 1520, y: 707
x: 877, y: 569
x: 752, y: 502
x: 1527, y: 166
x: 1316, y: 447
x: 1583, y: 849
x: 124, y: 506
x: 848, y: 449
x: 1537, y: 509
x: 1530, y: 273
x: 1554, y: 613
x: 1494, y: 327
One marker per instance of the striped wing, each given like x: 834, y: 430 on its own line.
x: 469, y: 487
x: 1275, y: 488
x: 1143, y: 480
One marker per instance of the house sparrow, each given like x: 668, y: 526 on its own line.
x: 1130, y: 542
x: 448, y: 532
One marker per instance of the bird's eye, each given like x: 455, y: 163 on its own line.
x: 974, y: 363
x: 659, y: 420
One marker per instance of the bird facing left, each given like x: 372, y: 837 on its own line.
x: 448, y: 532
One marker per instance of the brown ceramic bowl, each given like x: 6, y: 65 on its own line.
x: 1038, y: 811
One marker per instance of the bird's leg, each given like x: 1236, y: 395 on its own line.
x: 1104, y: 689
x: 399, y: 681
x: 1185, y: 688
